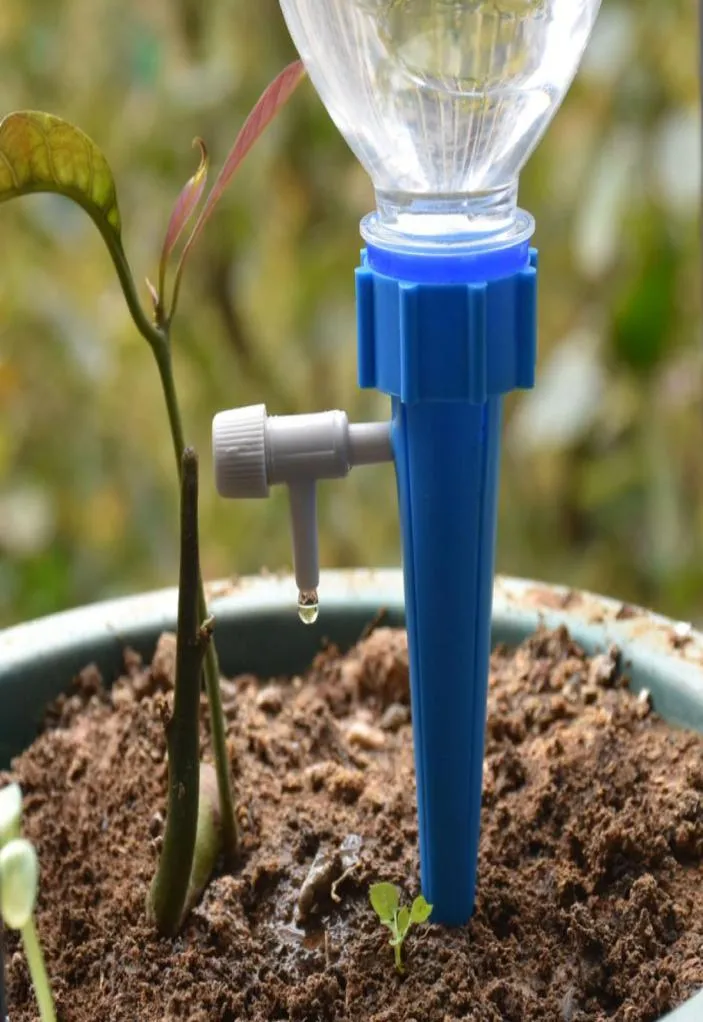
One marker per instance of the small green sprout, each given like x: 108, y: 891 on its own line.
x: 385, y: 900
x: 19, y: 870
x: 10, y: 813
x: 19, y: 883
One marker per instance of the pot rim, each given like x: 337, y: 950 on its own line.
x: 530, y: 602
x: 660, y: 655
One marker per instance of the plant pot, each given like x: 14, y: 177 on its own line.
x: 37, y: 660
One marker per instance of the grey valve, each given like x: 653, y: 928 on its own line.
x: 253, y: 451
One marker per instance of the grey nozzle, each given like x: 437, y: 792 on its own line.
x: 253, y: 451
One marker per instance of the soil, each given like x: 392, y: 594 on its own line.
x: 589, y: 902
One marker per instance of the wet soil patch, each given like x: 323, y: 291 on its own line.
x: 589, y: 903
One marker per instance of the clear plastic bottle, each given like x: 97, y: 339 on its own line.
x: 442, y: 101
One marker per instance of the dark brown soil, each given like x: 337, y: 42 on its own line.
x: 589, y: 903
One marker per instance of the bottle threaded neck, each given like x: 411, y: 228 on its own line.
x: 428, y: 222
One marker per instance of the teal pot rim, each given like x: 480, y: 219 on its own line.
x: 258, y: 631
x: 663, y: 656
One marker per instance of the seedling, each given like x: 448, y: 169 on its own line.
x: 19, y: 882
x: 42, y: 153
x: 385, y: 900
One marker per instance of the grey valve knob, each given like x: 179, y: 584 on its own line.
x: 253, y: 451
x: 239, y: 451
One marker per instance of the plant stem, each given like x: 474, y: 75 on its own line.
x: 230, y: 833
x: 170, y: 886
x: 3, y: 998
x: 398, y: 949
x: 157, y: 335
x: 158, y: 338
x: 37, y: 970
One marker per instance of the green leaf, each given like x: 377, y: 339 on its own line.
x: 384, y: 899
x: 421, y: 911
x: 403, y: 921
x: 42, y: 153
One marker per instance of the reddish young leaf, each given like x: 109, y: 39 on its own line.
x: 185, y: 206
x: 274, y: 97
x: 153, y: 294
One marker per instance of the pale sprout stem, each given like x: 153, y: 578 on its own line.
x: 37, y: 970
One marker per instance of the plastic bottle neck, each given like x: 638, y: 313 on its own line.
x: 448, y: 238
x: 428, y: 222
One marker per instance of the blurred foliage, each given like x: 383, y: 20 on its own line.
x: 602, y: 481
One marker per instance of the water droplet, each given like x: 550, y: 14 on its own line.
x: 308, y: 607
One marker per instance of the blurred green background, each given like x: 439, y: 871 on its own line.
x: 603, y: 466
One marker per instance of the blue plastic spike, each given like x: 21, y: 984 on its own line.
x: 446, y: 353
